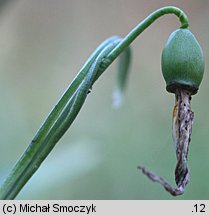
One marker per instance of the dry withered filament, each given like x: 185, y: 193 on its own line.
x: 182, y: 129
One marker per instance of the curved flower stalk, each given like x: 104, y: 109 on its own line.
x: 68, y: 107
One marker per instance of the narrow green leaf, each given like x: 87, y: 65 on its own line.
x: 122, y: 77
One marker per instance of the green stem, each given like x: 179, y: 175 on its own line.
x: 58, y: 121
x: 66, y: 110
x: 131, y: 36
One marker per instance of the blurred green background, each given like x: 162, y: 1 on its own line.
x: 43, y: 44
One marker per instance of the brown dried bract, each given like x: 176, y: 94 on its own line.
x: 182, y: 129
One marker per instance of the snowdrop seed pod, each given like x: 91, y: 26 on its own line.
x: 182, y: 62
x: 183, y: 68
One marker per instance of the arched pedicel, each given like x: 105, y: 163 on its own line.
x: 67, y: 108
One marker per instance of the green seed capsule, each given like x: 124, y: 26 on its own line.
x: 182, y: 62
